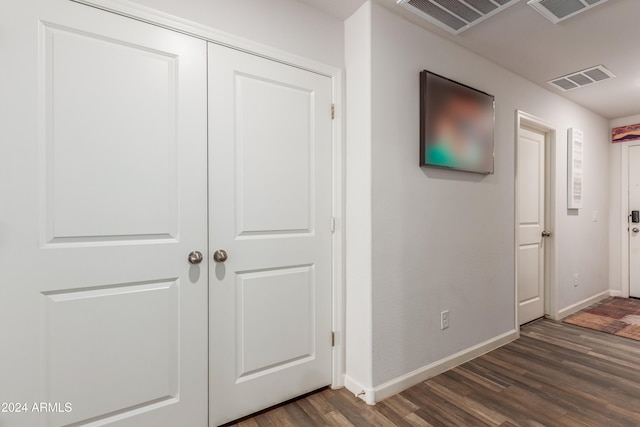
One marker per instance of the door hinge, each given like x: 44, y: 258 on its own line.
x: 333, y: 224
x: 333, y: 111
x: 333, y: 339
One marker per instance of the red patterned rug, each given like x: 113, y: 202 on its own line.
x: 615, y: 315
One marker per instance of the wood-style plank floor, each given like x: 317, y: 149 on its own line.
x: 554, y: 375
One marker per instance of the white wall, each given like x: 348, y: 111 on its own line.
x: 445, y: 239
x: 618, y: 216
x: 287, y: 25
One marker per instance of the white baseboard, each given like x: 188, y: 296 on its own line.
x: 365, y: 393
x: 401, y: 383
x: 567, y: 311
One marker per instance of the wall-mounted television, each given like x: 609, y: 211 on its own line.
x: 456, y: 125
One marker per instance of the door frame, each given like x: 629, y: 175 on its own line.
x: 550, y: 278
x: 625, y: 285
x: 190, y: 28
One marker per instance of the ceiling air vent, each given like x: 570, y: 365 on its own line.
x: 559, y: 10
x: 582, y: 78
x: 455, y: 16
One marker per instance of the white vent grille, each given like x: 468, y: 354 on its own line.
x: 559, y: 10
x: 582, y: 78
x: 455, y: 16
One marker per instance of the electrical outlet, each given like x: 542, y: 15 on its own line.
x: 575, y: 280
x: 444, y: 319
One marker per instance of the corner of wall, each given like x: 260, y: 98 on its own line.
x: 359, y: 288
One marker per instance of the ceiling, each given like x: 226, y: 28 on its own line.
x: 523, y: 41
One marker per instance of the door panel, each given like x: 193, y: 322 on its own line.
x: 531, y: 215
x: 105, y: 181
x: 270, y: 209
x: 141, y: 357
x: 105, y: 172
x: 274, y: 152
x: 634, y: 237
x: 528, y: 274
x: 289, y: 294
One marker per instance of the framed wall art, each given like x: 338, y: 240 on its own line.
x: 456, y: 125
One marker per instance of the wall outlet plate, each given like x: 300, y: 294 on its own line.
x: 444, y: 320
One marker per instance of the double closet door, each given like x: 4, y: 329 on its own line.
x: 128, y: 151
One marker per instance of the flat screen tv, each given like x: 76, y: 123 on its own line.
x: 456, y: 125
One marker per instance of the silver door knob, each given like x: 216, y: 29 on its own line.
x: 195, y: 257
x: 546, y: 234
x: 635, y: 229
x: 220, y: 255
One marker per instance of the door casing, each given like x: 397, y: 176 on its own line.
x: 337, y: 76
x: 550, y: 294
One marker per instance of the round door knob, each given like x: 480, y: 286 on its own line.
x: 195, y: 257
x: 220, y: 255
x: 546, y: 234
x: 635, y: 229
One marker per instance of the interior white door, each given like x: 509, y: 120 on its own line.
x: 634, y: 236
x: 270, y: 211
x: 103, y: 188
x: 531, y: 224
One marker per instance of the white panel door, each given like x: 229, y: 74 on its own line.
x: 103, y: 190
x: 531, y: 216
x: 270, y: 210
x: 634, y: 236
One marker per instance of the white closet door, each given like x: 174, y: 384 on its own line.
x: 270, y: 211
x: 103, y: 191
x: 531, y: 225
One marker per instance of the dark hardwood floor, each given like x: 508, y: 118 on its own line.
x: 554, y: 375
